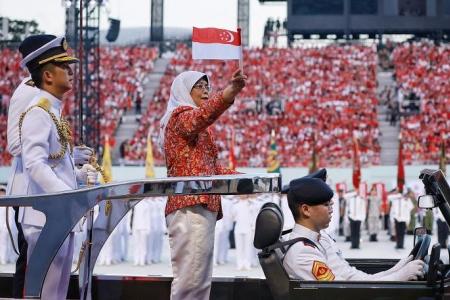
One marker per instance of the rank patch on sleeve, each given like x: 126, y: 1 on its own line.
x: 322, y: 272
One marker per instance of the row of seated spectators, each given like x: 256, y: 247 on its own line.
x: 122, y: 72
x: 424, y: 68
x: 122, y: 77
x: 328, y: 92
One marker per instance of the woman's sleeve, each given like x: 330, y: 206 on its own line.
x: 191, y: 122
x: 220, y: 170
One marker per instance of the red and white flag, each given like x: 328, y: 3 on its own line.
x: 215, y: 43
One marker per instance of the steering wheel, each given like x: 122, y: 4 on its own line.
x: 420, y: 250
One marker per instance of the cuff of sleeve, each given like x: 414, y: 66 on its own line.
x: 219, y: 95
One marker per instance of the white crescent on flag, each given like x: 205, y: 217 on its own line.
x: 226, y: 36
x: 216, y: 43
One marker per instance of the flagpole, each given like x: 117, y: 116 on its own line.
x: 241, y: 56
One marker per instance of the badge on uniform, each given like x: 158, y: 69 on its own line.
x: 321, y: 271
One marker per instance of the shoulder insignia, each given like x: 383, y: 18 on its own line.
x: 321, y: 271
x: 44, y: 103
x: 306, y: 243
x: 30, y: 83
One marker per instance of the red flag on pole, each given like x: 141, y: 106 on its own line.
x: 400, y: 167
x: 443, y: 157
x: 356, y: 164
x: 216, y: 43
x: 232, y: 157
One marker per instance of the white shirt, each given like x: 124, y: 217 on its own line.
x: 242, y: 214
x: 356, y: 207
x: 400, y: 208
x: 324, y: 261
x: 141, y: 213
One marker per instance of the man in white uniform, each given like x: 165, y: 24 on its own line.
x: 242, y: 232
x: 140, y: 229
x: 356, y: 208
x: 401, y: 214
x: 19, y: 102
x: 318, y: 257
x: 158, y: 227
x: 223, y: 228
x: 46, y: 164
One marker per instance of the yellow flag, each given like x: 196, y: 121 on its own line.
x: 149, y: 170
x: 106, y: 162
x: 273, y: 164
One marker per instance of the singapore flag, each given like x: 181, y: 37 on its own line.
x: 215, y: 43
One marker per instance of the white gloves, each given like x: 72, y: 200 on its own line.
x: 406, y: 269
x: 82, y: 154
x: 401, y: 263
x: 412, y: 270
x: 87, y: 174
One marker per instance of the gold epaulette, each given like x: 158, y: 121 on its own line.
x: 63, y: 128
x: 44, y: 103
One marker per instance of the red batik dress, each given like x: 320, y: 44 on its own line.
x: 190, y: 150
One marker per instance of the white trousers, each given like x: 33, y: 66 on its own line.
x: 244, y: 250
x: 157, y: 242
x: 56, y: 282
x: 191, y: 239
x: 4, y: 249
x: 221, y: 246
x: 140, y: 247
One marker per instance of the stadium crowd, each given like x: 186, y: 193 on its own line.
x: 311, y: 97
x: 122, y: 72
x: 423, y: 68
x: 286, y: 90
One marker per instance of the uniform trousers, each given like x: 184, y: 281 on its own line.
x: 140, y: 238
x: 442, y: 229
x: 157, y: 242
x: 224, y: 245
x: 244, y: 250
x: 56, y: 282
x: 191, y: 238
x: 400, y: 230
x: 21, y: 262
x: 355, y: 233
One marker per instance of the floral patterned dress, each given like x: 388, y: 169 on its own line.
x: 190, y: 150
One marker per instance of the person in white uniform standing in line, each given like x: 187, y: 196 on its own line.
x: 242, y: 215
x: 357, y: 208
x: 140, y: 230
x: 401, y: 214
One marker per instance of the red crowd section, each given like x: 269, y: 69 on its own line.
x: 328, y: 92
x: 122, y: 73
x: 424, y: 68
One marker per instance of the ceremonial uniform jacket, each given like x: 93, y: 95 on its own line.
x: 400, y: 208
x: 19, y: 102
x: 356, y: 207
x: 190, y: 150
x: 319, y: 259
x: 41, y: 174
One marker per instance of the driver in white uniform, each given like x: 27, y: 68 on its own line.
x: 318, y: 257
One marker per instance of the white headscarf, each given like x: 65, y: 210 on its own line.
x: 180, y: 95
